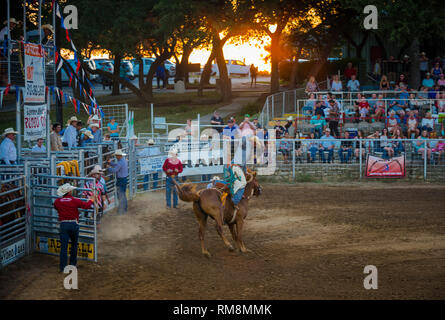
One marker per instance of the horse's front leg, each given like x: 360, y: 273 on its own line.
x: 239, y: 230
x: 219, y: 229
x: 202, y: 221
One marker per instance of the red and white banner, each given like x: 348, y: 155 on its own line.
x: 391, y: 168
x: 34, y: 74
x: 34, y: 122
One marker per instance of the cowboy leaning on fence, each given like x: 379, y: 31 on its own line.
x: 99, y: 189
x: 68, y: 209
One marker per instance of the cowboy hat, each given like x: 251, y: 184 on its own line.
x: 134, y: 137
x: 151, y: 141
x: 94, y: 125
x: 96, y: 169
x: 95, y: 117
x: 9, y: 131
x: 290, y: 118
x: 215, y: 178
x: 88, y: 134
x: 11, y: 20
x: 49, y: 27
x: 173, y: 151
x: 119, y: 152
x: 64, y: 189
x: 73, y: 118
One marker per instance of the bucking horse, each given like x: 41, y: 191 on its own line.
x: 217, y: 204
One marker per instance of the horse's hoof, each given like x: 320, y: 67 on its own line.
x: 245, y: 250
x: 207, y: 254
x: 231, y: 249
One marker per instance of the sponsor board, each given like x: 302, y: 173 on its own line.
x: 52, y: 245
x: 34, y: 122
x: 381, y: 168
x: 12, y: 252
x: 34, y: 73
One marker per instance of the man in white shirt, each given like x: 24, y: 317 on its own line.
x: 238, y: 185
x: 353, y: 84
x: 8, y: 151
x: 70, y: 134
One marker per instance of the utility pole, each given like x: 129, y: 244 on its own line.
x: 59, y: 106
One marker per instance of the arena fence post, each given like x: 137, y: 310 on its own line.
x: 293, y: 160
x: 284, y: 102
x: 424, y: 162
x: 360, y: 157
x: 273, y: 106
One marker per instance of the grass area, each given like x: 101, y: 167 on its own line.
x: 175, y: 107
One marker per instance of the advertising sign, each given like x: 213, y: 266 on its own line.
x: 34, y: 73
x: 378, y: 167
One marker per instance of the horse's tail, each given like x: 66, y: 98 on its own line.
x: 187, y: 192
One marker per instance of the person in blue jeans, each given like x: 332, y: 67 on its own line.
x: 312, y: 147
x: 68, y: 210
x: 327, y: 144
x: 172, y: 167
x: 345, y: 147
x: 120, y: 168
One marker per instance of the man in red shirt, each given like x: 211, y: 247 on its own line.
x: 349, y: 71
x: 68, y: 209
x: 172, y: 167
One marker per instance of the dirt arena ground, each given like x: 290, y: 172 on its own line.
x: 308, y: 242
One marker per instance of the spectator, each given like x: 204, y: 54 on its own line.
x: 440, y: 102
x: 230, y: 131
x: 217, y: 122
x: 334, y: 114
x: 423, y: 65
x: 398, y: 145
x: 113, y: 128
x: 94, y: 119
x: 392, y: 121
x: 441, y: 82
x: 319, y: 109
x: 312, y: 85
x: 319, y: 123
x: 291, y: 127
x: 69, y: 138
x: 350, y: 71
x: 86, y: 137
x: 336, y: 86
x: 55, y: 138
x: 120, y: 167
x: 79, y: 131
x: 4, y: 32
x: 428, y: 82
x: 188, y: 127
x: 256, y: 124
x: 288, y: 123
x: 377, y: 70
x: 402, y: 81
x: 160, y: 75
x: 363, y: 107
x: 310, y: 103
x: 345, y: 147
x: 312, y: 147
x: 247, y: 128
x: 406, y: 64
x: 422, y: 145
x: 39, y: 147
x: 279, y: 130
x: 440, y: 147
x: 379, y: 108
x: 436, y: 71
x: 388, y: 150
x: 413, y: 103
x: 384, y: 84
x: 172, y: 168
x: 427, y: 123
x: 98, y: 187
x: 8, y: 151
x: 359, y: 140
x: 285, y: 146
x: 353, y: 84
x: 97, y: 134
x: 412, y: 125
x: 327, y: 145
x: 253, y: 72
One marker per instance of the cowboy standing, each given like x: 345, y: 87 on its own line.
x: 55, y: 138
x: 68, y: 209
x: 172, y: 167
x: 120, y: 167
x: 70, y: 135
x: 8, y: 151
x: 98, y: 186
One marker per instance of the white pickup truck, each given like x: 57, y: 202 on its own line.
x: 235, y: 67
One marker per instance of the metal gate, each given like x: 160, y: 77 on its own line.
x: 14, y: 222
x: 45, y: 224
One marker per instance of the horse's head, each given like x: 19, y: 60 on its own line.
x: 253, y: 183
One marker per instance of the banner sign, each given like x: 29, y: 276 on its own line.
x: 378, y: 167
x: 53, y: 245
x: 34, y: 73
x: 12, y: 252
x: 151, y: 164
x: 34, y: 122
